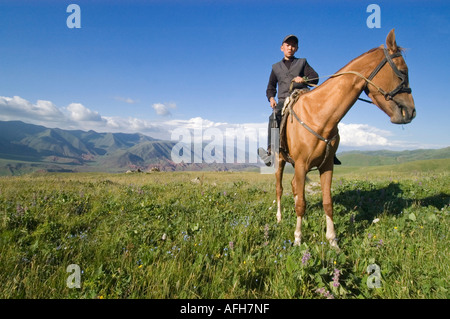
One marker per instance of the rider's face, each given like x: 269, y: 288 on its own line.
x: 289, y: 48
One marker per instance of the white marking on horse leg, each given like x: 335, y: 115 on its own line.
x: 279, y: 211
x: 298, y: 232
x: 331, y: 234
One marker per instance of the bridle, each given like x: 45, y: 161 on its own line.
x: 389, y: 96
x: 402, y: 87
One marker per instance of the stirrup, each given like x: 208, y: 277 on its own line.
x: 265, y: 156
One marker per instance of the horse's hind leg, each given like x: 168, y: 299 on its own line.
x: 279, y: 185
x: 325, y: 181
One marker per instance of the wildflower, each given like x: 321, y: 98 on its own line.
x: 231, y: 244
x: 376, y: 220
x: 306, y: 257
x: 336, y: 276
x: 380, y: 243
x: 140, y: 266
x: 325, y: 293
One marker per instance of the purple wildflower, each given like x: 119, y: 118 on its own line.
x: 336, y: 276
x: 306, y: 257
x: 231, y: 245
x: 380, y: 243
x: 325, y: 293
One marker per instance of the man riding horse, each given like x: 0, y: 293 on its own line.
x: 289, y: 70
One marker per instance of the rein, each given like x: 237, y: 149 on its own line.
x: 401, y: 88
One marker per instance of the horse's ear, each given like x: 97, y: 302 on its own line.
x: 390, y: 42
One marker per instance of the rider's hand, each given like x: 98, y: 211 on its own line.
x: 298, y: 79
x: 273, y: 103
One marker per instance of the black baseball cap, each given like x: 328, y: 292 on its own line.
x: 290, y: 36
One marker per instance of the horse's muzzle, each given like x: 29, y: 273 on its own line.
x: 404, y: 115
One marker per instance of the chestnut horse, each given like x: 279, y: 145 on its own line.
x: 312, y: 127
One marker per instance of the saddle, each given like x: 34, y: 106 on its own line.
x: 290, y: 101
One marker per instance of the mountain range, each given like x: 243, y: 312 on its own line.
x: 26, y: 148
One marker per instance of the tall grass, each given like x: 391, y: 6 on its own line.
x: 214, y: 235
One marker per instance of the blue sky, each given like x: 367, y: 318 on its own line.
x: 152, y: 66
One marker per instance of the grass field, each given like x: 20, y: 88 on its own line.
x: 214, y: 235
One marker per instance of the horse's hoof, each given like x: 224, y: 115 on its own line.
x: 333, y: 243
x: 297, y: 242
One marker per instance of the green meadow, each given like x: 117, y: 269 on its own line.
x: 214, y: 235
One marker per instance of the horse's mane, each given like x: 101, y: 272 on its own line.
x: 361, y: 56
x: 399, y: 49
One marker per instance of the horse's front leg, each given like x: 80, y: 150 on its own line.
x: 298, y: 189
x: 326, y: 177
x: 279, y: 177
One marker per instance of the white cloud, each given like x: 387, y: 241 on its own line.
x: 77, y: 116
x: 163, y: 109
x: 80, y: 113
x: 362, y: 135
x: 126, y: 100
x: 11, y: 108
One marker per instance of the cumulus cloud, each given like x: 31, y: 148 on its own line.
x: 362, y: 135
x: 11, y: 108
x: 78, y: 112
x: 78, y: 116
x: 163, y: 109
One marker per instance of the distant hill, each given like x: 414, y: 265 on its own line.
x: 384, y: 157
x: 25, y: 148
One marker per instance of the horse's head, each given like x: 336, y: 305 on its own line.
x: 391, y: 91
